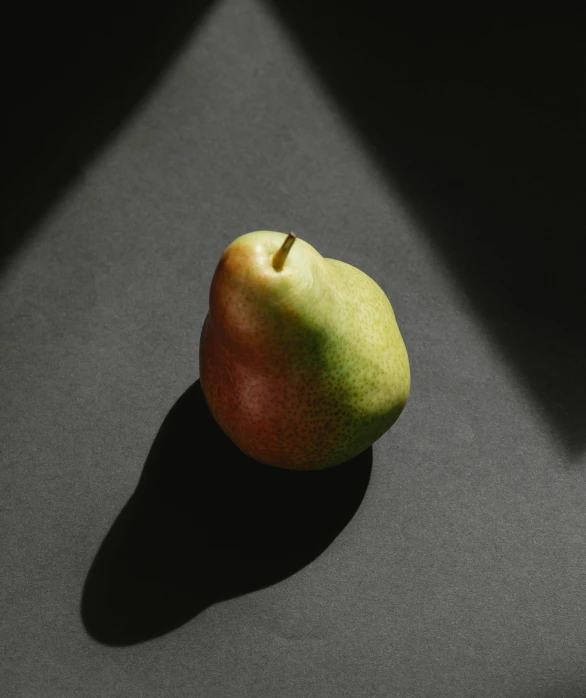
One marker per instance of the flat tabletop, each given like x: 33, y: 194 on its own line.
x: 141, y: 553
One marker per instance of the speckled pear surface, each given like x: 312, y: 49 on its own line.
x: 302, y: 367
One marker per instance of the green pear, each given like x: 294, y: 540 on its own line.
x: 302, y: 363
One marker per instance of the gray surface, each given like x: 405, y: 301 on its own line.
x: 462, y: 573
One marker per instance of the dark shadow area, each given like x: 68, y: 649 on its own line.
x: 478, y: 117
x: 71, y: 74
x: 207, y: 523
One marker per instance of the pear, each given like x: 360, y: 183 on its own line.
x: 302, y: 363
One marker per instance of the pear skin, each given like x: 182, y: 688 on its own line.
x: 302, y: 363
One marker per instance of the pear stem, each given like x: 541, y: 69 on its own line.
x: 281, y: 254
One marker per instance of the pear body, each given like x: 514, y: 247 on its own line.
x: 302, y: 367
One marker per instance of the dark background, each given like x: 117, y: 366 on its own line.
x: 441, y: 152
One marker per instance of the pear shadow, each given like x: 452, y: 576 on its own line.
x: 205, y: 524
